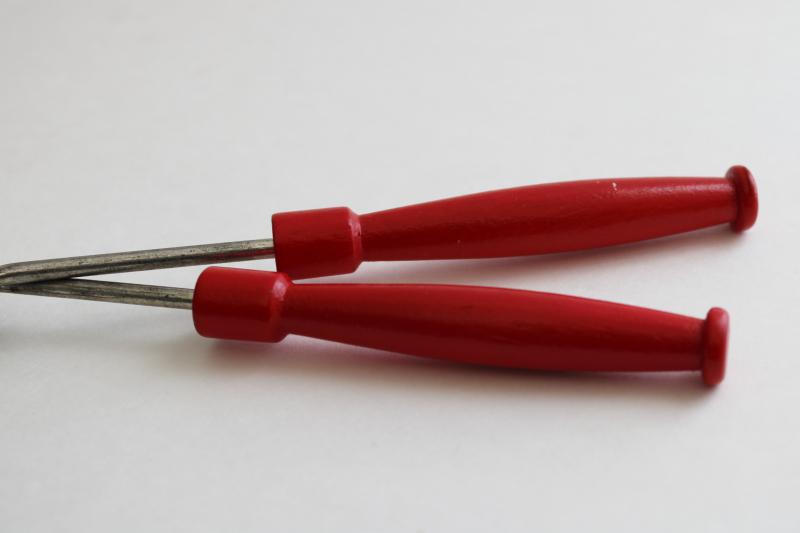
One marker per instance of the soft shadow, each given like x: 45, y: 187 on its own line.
x: 308, y: 361
x: 362, y: 368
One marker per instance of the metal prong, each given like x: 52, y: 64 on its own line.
x: 108, y: 291
x: 92, y: 265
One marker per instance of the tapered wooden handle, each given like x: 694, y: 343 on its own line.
x: 478, y: 325
x: 537, y: 219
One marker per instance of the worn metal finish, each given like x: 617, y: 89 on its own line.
x: 108, y: 291
x: 92, y: 265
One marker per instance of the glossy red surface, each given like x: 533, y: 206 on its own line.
x: 476, y: 325
x: 317, y: 242
x: 715, y: 346
x: 536, y: 219
x: 746, y: 197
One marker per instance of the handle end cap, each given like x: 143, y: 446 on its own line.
x: 715, y: 346
x: 746, y: 197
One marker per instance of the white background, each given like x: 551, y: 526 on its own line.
x: 127, y: 125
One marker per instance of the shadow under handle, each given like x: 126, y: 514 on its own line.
x: 537, y: 219
x: 476, y: 325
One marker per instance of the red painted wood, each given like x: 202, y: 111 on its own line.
x: 536, y: 219
x: 477, y: 325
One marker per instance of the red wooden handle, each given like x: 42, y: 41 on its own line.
x: 479, y: 325
x: 537, y: 219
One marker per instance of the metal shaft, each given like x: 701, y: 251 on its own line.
x: 108, y: 291
x: 92, y: 265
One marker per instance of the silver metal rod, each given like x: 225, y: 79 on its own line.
x: 93, y: 265
x: 108, y: 291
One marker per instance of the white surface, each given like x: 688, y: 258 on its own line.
x: 128, y: 125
